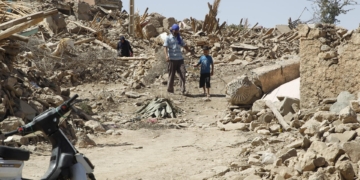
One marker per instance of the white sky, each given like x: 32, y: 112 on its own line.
x: 267, y: 13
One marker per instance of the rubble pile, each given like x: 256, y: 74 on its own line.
x: 316, y: 142
x: 93, y: 39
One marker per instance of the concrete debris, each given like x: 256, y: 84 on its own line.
x: 310, y: 133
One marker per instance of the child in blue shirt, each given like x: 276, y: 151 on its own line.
x: 206, y: 61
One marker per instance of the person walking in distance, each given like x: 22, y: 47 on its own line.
x: 124, y: 48
x: 205, y: 73
x: 174, y: 57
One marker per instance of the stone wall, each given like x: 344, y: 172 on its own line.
x: 330, y: 63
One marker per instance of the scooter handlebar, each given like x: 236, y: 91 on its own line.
x: 11, y: 133
x: 72, y: 99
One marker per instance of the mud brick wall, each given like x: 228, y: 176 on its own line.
x: 329, y: 63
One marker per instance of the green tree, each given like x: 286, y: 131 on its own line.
x: 327, y: 10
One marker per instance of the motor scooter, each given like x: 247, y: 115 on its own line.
x: 66, y: 163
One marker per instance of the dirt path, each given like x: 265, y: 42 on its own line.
x: 190, y: 153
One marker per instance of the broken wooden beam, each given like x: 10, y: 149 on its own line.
x: 278, y: 116
x: 20, y: 27
x: 84, y: 27
x: 19, y: 37
x: 17, y: 21
x: 84, y: 40
x: 132, y: 58
x: 105, y: 45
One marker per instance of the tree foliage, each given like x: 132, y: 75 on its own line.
x: 328, y: 10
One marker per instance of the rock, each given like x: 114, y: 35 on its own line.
x: 253, y: 161
x: 231, y: 58
x: 347, y: 115
x: 27, y: 110
x: 325, y: 47
x: 81, y: 11
x: 303, y: 30
x: 332, y: 153
x: 295, y: 144
x: 352, y: 149
x: 286, y: 105
x: 235, y: 126
x: 342, y: 137
x: 325, y: 115
x: 275, y: 128
x: 272, y: 76
x: 132, y: 94
x: 310, y: 127
x: 252, y: 177
x: 307, y: 162
x: 279, y: 177
x: 346, y: 169
x: 207, y: 174
x: 95, y: 125
x: 268, y: 158
x: 263, y: 131
x: 318, y: 176
x: 84, y: 141
x: 254, y: 124
x: 257, y: 141
x: 355, y: 105
x: 342, y: 101
x: 318, y: 146
x: 266, y: 117
x: 17, y: 139
x: 10, y: 124
x: 288, y: 154
x: 150, y: 31
x: 220, y: 170
x: 258, y: 105
x: 241, y: 91
x: 168, y: 22
x: 320, y: 162
x: 56, y: 23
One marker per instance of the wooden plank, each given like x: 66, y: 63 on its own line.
x: 17, y: 21
x: 20, y: 27
x: 105, y: 45
x: 132, y: 58
x: 278, y: 116
x: 244, y: 46
x: 19, y: 37
x: 14, y: 22
x: 84, y: 41
x: 85, y: 27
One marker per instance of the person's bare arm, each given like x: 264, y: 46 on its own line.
x: 166, y: 54
x: 212, y: 68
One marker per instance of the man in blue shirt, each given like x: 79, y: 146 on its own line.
x: 174, y: 57
x: 206, y: 61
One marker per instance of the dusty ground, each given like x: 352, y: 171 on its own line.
x: 189, y: 153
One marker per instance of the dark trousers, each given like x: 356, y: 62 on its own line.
x: 176, y: 66
x: 204, y: 80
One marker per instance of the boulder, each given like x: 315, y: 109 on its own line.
x: 11, y: 123
x: 168, y: 22
x: 56, y: 23
x: 241, y: 91
x: 342, y: 101
x: 95, y: 125
x: 272, y: 76
x: 150, y: 31
x: 346, y: 170
x: 286, y: 105
x: 347, y: 115
x: 352, y: 149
